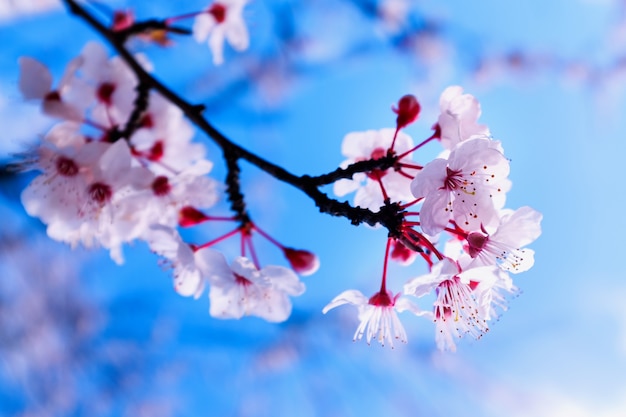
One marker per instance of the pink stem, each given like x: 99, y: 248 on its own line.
x: 219, y: 239
x: 383, y: 283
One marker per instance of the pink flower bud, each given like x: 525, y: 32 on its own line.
x: 408, y: 109
x: 402, y: 254
x: 302, y: 261
x: 189, y: 216
x: 122, y: 19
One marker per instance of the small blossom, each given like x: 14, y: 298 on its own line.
x: 188, y: 278
x: 457, y: 311
x: 505, y: 246
x: 492, y: 287
x: 83, y: 195
x: 111, y: 86
x: 377, y: 315
x: 164, y: 139
x: 243, y: 290
x: 373, y: 144
x: 458, y: 119
x: 222, y: 21
x: 468, y: 187
x: 36, y: 84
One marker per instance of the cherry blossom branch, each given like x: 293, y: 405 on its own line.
x: 147, y: 26
x: 388, y: 216
x: 383, y: 164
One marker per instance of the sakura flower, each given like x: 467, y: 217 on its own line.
x: 504, y: 247
x: 82, y: 199
x: 66, y: 161
x: 162, y: 197
x: 222, y: 21
x: 242, y: 289
x: 458, y: 119
x: 378, y: 315
x: 492, y: 287
x: 163, y: 139
x: 457, y: 311
x: 468, y: 187
x: 373, y: 144
x: 36, y: 83
x: 188, y: 278
x: 111, y: 85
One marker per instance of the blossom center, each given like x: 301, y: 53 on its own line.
x: 377, y: 153
x: 146, y: 121
x: 66, y: 167
x: 161, y: 185
x: 156, y: 152
x: 476, y: 242
x: 382, y: 299
x: 53, y: 96
x: 218, y: 11
x: 105, y: 92
x: 453, y: 180
x: 241, y: 280
x: 100, y: 192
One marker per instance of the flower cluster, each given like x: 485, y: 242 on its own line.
x: 460, y: 194
x: 121, y: 166
x: 100, y: 185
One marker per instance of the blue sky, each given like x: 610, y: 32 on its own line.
x: 559, y: 351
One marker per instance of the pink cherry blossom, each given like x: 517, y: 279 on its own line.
x: 111, y: 85
x: 83, y: 198
x: 505, y: 246
x: 373, y: 144
x: 66, y: 161
x: 378, y: 315
x: 223, y: 20
x: 492, y: 288
x: 242, y: 289
x: 189, y: 279
x: 164, y: 138
x: 468, y: 187
x: 458, y: 119
x: 36, y: 84
x: 457, y: 310
x: 161, y: 198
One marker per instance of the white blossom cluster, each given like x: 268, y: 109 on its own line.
x: 460, y: 199
x: 121, y: 166
x: 98, y: 187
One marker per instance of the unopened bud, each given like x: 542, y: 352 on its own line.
x: 189, y: 216
x: 122, y: 19
x: 402, y: 254
x: 302, y: 261
x: 408, y: 109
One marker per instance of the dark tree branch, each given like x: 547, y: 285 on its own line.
x: 390, y: 215
x: 147, y: 26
